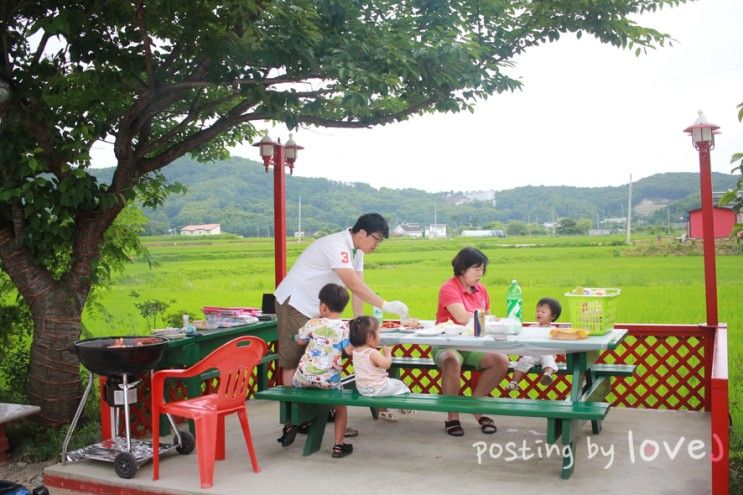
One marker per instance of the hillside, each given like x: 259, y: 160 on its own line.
x: 238, y: 194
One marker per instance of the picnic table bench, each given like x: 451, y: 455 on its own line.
x: 302, y: 404
x: 11, y: 412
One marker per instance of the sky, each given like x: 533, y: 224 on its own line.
x: 588, y: 115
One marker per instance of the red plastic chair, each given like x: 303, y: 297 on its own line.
x: 235, y: 362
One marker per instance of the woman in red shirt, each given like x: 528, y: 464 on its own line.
x: 459, y: 297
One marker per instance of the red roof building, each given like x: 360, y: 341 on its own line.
x: 723, y: 221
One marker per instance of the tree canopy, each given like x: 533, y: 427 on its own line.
x: 164, y: 78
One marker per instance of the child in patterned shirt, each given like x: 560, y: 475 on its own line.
x: 320, y: 366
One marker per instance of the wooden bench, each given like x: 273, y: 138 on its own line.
x: 301, y: 404
x: 8, y: 413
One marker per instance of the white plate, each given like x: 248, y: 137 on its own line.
x: 429, y: 331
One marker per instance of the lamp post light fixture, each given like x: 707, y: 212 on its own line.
x: 703, y: 138
x: 280, y: 156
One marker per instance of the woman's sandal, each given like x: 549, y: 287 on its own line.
x: 487, y: 425
x: 342, y: 450
x: 288, y: 434
x: 351, y: 432
x: 407, y: 411
x: 454, y: 428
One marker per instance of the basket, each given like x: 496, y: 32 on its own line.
x: 593, y: 309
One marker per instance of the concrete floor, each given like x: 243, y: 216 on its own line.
x: 639, y: 451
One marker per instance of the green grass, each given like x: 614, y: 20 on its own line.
x: 657, y: 287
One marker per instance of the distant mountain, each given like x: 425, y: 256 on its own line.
x: 238, y: 194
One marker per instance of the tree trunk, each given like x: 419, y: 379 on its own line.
x: 54, y: 372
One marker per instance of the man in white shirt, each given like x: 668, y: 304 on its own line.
x: 336, y: 258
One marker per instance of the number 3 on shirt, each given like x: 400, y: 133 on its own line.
x: 344, y: 256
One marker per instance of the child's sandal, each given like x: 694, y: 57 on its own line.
x: 388, y: 416
x: 342, y: 450
x: 487, y: 425
x: 304, y: 428
x: 454, y: 428
x: 288, y: 434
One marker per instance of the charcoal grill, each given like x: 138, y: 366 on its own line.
x: 121, y: 360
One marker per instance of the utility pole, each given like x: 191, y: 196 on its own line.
x: 629, y: 211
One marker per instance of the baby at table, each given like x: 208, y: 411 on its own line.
x: 370, y: 365
x: 548, y: 310
x: 320, y: 366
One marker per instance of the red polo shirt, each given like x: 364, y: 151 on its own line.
x: 453, y: 291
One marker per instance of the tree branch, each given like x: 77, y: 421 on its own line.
x: 146, y: 44
x: 234, y: 117
x: 385, y: 119
x: 31, y: 280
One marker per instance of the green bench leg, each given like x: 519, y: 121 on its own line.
x: 317, y: 428
x: 317, y: 415
x: 570, y: 431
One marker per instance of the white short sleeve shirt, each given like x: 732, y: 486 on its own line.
x: 315, y: 268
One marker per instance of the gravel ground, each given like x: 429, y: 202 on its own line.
x: 28, y: 474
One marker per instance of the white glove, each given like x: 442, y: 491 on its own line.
x: 397, y: 307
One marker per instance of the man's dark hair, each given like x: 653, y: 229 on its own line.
x: 372, y: 223
x: 359, y: 328
x: 467, y: 258
x: 554, y: 304
x: 334, y: 297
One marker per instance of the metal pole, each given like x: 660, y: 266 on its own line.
x: 279, y: 213
x: 708, y: 232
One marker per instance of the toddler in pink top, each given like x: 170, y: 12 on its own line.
x: 370, y: 365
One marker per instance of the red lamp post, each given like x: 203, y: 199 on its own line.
x: 703, y: 137
x: 279, y: 156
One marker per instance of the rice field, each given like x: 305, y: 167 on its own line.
x: 192, y: 273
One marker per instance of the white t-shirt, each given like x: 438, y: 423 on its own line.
x: 314, y: 269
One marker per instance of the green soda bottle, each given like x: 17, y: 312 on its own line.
x: 514, y: 301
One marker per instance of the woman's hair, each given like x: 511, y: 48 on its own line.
x: 554, y: 304
x: 334, y: 297
x: 360, y: 328
x: 469, y: 257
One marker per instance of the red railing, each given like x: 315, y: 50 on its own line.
x: 720, y: 454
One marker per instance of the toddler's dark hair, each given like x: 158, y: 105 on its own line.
x: 334, y: 297
x: 554, y: 304
x: 359, y: 328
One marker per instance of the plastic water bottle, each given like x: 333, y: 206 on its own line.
x: 514, y: 301
x: 188, y: 326
x: 378, y: 314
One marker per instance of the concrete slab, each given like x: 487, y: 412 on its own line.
x: 639, y: 451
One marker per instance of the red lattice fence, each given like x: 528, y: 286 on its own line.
x: 671, y: 369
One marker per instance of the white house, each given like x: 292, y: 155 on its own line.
x: 408, y: 229
x: 206, y: 229
x: 436, y: 231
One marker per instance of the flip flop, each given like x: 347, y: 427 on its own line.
x: 454, y: 428
x: 351, y: 432
x: 487, y: 425
x: 388, y: 416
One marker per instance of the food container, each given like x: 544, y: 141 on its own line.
x: 502, y: 326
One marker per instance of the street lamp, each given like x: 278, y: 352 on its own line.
x: 280, y: 156
x: 703, y: 138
